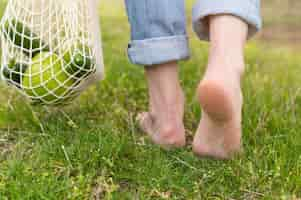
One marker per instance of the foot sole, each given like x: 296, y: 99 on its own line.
x: 215, y: 102
x: 219, y: 131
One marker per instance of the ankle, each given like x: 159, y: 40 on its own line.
x: 227, y: 67
x: 225, y: 60
x: 167, y: 106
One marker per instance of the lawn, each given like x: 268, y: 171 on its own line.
x: 93, y: 149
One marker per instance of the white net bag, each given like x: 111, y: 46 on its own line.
x: 51, y: 49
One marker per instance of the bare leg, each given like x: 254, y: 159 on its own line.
x: 219, y: 132
x: 164, y: 121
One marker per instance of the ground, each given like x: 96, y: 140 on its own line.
x: 93, y: 148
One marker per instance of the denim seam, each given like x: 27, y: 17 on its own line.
x: 141, y: 51
x: 168, y: 38
x: 227, y: 11
x: 253, y: 20
x: 137, y: 45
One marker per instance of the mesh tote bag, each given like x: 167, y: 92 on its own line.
x: 51, y: 49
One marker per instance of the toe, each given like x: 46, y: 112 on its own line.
x: 145, y: 121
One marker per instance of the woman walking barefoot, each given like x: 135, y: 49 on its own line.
x: 159, y: 40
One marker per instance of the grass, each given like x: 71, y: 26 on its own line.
x: 93, y: 149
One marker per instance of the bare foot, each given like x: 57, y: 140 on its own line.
x: 164, y: 122
x: 167, y: 136
x: 219, y: 131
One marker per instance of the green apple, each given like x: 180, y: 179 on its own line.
x: 79, y: 59
x: 13, y: 72
x: 46, y: 79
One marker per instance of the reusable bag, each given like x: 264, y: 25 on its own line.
x: 51, y: 49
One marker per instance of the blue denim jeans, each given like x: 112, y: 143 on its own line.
x: 158, y: 27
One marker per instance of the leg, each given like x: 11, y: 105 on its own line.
x: 158, y: 41
x: 220, y: 96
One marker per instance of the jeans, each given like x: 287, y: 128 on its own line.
x: 158, y: 27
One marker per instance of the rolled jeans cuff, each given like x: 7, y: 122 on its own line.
x: 159, y: 50
x: 247, y: 10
